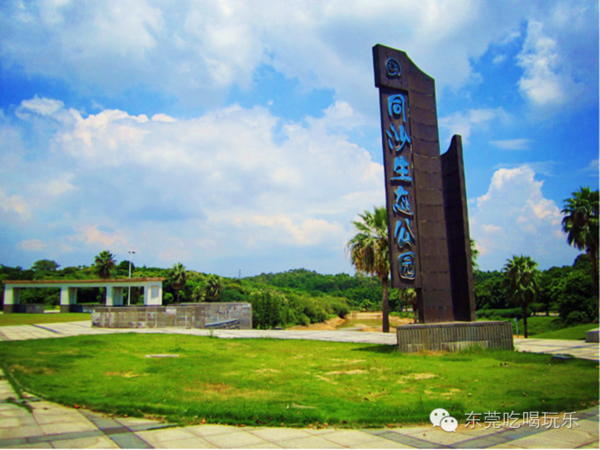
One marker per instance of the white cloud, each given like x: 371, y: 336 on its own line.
x: 593, y: 168
x: 198, y: 51
x: 91, y: 235
x: 547, y: 168
x: 13, y: 205
x: 234, y: 180
x: 559, y: 58
x: 464, y: 123
x: 58, y: 186
x: 513, y: 144
x: 499, y: 59
x: 515, y: 218
x: 42, y: 106
x: 32, y: 245
x: 541, y: 83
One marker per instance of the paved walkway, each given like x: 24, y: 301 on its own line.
x: 35, y: 423
x: 578, y: 349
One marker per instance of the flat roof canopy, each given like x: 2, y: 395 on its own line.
x: 100, y: 282
x: 68, y: 290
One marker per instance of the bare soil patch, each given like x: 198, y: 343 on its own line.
x: 356, y: 318
x: 331, y: 324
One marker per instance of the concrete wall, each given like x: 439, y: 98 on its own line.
x: 30, y: 308
x: 592, y: 336
x: 455, y: 336
x: 187, y: 315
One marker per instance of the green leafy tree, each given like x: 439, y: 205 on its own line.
x: 123, y: 268
x: 520, y: 279
x: 369, y: 252
x: 577, y: 303
x: 104, y: 263
x: 45, y: 265
x: 474, y: 254
x: 580, y: 222
x: 490, y: 292
x: 267, y: 308
x: 198, y: 292
x: 213, y: 288
x: 177, y: 278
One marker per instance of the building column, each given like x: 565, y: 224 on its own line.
x: 114, y: 296
x: 73, y: 295
x: 152, y: 294
x: 68, y: 298
x: 11, y: 298
x: 146, y: 294
x: 117, y: 296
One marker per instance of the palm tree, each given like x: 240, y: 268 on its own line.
x: 520, y: 280
x: 474, y: 254
x: 370, y: 253
x: 580, y: 222
x: 104, y: 263
x: 213, y: 288
x: 177, y: 278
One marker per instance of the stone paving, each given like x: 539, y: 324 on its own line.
x: 35, y: 423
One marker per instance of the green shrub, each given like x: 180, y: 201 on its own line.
x: 338, y: 307
x: 168, y: 298
x: 266, y: 309
x: 233, y: 295
x: 576, y: 318
x: 577, y: 303
x: 511, y: 313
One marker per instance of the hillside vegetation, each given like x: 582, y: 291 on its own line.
x: 303, y: 297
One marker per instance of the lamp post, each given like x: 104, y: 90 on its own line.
x: 129, y: 287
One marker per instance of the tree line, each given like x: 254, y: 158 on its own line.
x: 272, y: 306
x: 520, y: 278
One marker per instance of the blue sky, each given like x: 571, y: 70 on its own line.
x: 244, y: 136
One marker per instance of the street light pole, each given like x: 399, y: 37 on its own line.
x: 129, y: 292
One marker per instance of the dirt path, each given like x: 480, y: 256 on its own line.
x: 331, y: 324
x: 355, y: 319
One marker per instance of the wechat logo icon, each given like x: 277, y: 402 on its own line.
x: 441, y: 418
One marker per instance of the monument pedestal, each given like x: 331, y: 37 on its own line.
x: 454, y: 336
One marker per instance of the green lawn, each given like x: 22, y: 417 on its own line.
x: 28, y: 319
x: 291, y: 382
x: 573, y: 333
x: 550, y: 327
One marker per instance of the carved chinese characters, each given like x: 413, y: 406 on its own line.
x: 399, y: 145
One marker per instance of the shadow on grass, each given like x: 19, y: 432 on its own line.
x: 385, y: 349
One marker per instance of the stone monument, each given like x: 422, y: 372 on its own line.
x: 426, y: 201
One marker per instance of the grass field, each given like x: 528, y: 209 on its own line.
x: 573, y: 333
x: 547, y: 327
x: 28, y: 319
x: 290, y: 382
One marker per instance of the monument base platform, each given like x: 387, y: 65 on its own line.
x: 454, y: 336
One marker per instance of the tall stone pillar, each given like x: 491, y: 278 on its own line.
x: 428, y: 227
x: 457, y: 228
x: 414, y: 190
